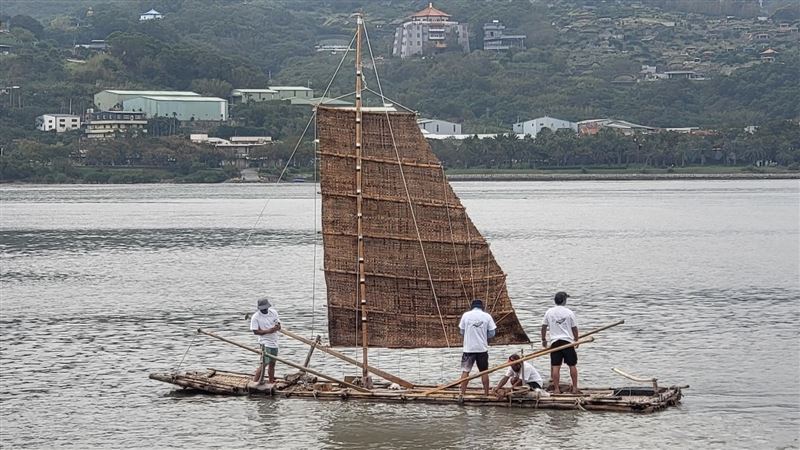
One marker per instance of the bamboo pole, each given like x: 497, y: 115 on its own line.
x: 506, y: 364
x: 343, y: 357
x: 311, y: 350
x: 288, y: 363
x: 531, y: 356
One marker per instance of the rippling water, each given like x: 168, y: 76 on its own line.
x: 103, y: 284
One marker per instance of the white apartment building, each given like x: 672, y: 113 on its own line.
x: 58, y: 122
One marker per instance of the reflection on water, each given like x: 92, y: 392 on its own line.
x: 100, y: 285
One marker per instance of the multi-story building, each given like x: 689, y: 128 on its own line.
x: 495, y: 37
x: 58, y: 122
x: 533, y: 127
x: 178, y: 107
x: 430, y: 31
x: 107, y: 124
x: 112, y: 99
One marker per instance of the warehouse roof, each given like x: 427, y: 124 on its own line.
x: 143, y: 93
x: 166, y: 98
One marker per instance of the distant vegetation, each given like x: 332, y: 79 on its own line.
x: 212, y: 46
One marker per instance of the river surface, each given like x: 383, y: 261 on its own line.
x: 102, y: 285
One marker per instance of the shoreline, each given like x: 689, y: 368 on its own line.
x: 620, y: 176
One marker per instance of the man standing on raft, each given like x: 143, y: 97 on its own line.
x: 563, y: 327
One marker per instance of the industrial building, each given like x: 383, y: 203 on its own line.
x: 533, y: 127
x: 286, y: 92
x: 112, y: 99
x: 254, y: 95
x: 182, y: 108
x: 439, y: 127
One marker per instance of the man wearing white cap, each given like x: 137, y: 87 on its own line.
x: 563, y: 327
x: 265, y: 323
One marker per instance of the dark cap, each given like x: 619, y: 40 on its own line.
x: 561, y: 297
x: 477, y: 303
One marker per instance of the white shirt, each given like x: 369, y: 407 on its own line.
x: 475, y: 323
x: 261, y: 321
x: 560, y: 320
x: 529, y: 374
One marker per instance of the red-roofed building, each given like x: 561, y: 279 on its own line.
x: 430, y: 31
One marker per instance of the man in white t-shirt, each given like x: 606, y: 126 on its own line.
x: 265, y: 324
x: 563, y: 327
x: 477, y: 327
x: 519, y: 374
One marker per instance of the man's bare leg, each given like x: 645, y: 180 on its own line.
x: 555, y: 376
x: 271, y: 370
x: 258, y: 377
x: 464, y: 383
x: 485, y: 381
x: 573, y: 373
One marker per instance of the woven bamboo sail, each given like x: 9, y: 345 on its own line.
x: 402, y: 310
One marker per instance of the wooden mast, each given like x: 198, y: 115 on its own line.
x: 362, y: 282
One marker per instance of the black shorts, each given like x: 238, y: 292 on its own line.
x: 534, y: 385
x: 468, y: 359
x: 567, y: 355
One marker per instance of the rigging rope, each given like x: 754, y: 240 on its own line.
x: 408, y: 194
x: 469, y: 252
x: 453, y: 238
x: 486, y: 274
x: 186, y: 352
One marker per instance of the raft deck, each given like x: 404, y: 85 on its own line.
x: 624, y: 399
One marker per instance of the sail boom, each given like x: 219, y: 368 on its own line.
x: 403, y: 200
x: 479, y: 244
x: 420, y: 278
x: 383, y: 160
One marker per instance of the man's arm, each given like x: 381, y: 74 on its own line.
x: 501, y: 383
x: 575, y: 334
x: 544, y: 335
x: 491, y: 333
x: 270, y: 330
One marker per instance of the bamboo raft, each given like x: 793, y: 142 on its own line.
x: 623, y: 399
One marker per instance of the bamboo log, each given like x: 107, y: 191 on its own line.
x: 288, y: 363
x: 311, y: 351
x: 343, y: 357
x: 506, y: 364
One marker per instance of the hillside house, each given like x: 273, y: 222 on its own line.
x: 429, y: 31
x: 58, y: 122
x: 495, y: 37
x: 150, y: 15
x: 109, y: 124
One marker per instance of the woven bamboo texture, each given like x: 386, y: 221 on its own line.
x: 401, y: 309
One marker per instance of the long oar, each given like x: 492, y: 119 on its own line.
x: 288, y: 363
x: 383, y: 374
x: 581, y: 339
